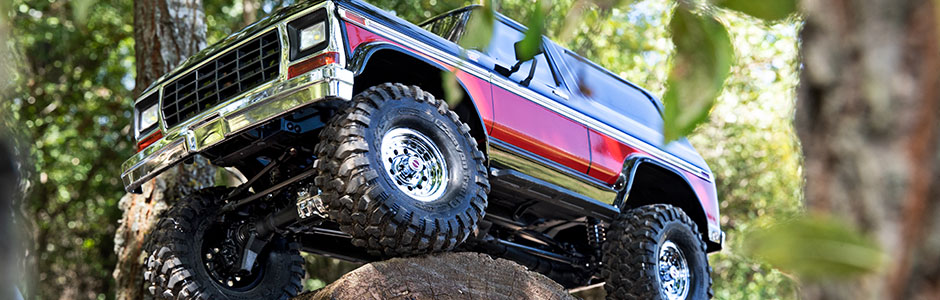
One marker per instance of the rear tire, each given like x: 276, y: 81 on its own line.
x: 391, y: 200
x: 655, y: 252
x: 177, y: 267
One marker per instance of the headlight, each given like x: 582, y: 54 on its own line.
x: 148, y: 117
x: 312, y: 36
x: 146, y: 114
x: 308, y: 34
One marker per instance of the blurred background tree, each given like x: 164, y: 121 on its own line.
x: 869, y: 122
x: 73, y: 97
x: 71, y: 103
x: 166, y: 32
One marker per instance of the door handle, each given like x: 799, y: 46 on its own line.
x: 561, y: 94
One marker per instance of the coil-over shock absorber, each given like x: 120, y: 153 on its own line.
x: 595, y: 232
x: 596, y: 235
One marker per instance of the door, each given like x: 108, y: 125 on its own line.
x: 523, y: 94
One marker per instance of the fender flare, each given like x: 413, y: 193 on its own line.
x: 359, y: 60
x: 627, y: 176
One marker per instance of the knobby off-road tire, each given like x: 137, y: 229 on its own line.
x: 176, y: 267
x: 634, y: 248
x: 378, y: 208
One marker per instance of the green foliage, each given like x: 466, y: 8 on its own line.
x: 418, y: 11
x: 531, y: 43
x: 80, y: 10
x: 73, y: 107
x: 815, y: 248
x: 737, y: 277
x: 750, y: 144
x: 703, y: 57
x: 479, y: 28
x: 453, y: 92
x: 632, y: 41
x: 770, y: 10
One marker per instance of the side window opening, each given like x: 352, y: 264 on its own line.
x: 536, y: 72
x: 450, y: 27
x: 608, y: 89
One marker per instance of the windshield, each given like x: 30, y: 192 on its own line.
x: 450, y: 25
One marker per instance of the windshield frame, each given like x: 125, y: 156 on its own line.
x: 455, y: 33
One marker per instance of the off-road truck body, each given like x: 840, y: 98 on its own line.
x: 333, y: 111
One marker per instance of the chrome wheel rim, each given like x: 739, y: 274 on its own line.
x: 673, y: 272
x: 414, y: 163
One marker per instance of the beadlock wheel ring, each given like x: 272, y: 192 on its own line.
x: 414, y: 163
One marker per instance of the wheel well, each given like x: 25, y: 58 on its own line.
x: 393, y: 66
x: 654, y: 184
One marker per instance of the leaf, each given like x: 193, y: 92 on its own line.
x: 80, y: 9
x: 453, y: 93
x: 815, y: 248
x: 702, y: 62
x: 531, y: 43
x: 770, y: 10
x: 479, y: 29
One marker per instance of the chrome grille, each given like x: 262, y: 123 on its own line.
x: 239, y: 70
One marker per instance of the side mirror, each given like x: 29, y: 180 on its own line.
x: 521, y: 52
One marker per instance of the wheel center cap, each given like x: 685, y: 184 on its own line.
x: 415, y: 163
x: 674, y: 273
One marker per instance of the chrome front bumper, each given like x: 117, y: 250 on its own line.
x: 239, y: 114
x: 715, y: 235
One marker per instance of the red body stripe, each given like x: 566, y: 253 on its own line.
x: 539, y: 130
x: 607, y: 157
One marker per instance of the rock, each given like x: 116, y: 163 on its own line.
x: 463, y: 275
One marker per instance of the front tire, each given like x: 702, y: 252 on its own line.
x: 189, y: 246
x: 400, y: 172
x: 655, y: 252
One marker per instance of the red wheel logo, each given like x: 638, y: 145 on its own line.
x: 415, y: 163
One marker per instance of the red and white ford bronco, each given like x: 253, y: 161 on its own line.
x: 333, y: 112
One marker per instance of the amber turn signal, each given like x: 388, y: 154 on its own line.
x: 312, y: 63
x: 153, y: 137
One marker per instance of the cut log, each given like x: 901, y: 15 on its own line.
x: 463, y: 275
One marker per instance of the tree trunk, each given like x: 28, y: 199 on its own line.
x: 867, y: 116
x: 165, y: 33
x: 250, y: 11
x: 441, y: 276
x: 9, y: 249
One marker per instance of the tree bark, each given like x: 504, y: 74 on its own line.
x: 165, y: 33
x: 867, y: 116
x: 441, y: 276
